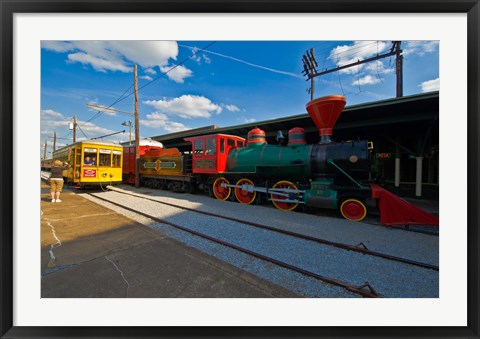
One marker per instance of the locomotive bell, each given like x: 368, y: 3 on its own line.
x: 324, y: 112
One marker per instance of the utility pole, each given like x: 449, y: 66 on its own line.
x: 399, y: 68
x: 137, y: 135
x: 54, y: 139
x: 395, y: 50
x: 74, y: 128
x: 310, y: 68
x: 45, y: 150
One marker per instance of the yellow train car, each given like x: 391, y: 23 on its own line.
x: 92, y: 163
x: 46, y: 164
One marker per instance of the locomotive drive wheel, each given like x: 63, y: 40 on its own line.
x: 245, y: 197
x: 285, y: 206
x: 220, y: 192
x: 353, y: 210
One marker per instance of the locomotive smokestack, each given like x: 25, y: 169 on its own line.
x: 324, y: 112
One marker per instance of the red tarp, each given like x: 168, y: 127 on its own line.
x: 395, y: 211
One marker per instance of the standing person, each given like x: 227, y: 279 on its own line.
x: 56, y: 179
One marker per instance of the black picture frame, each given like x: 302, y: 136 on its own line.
x: 10, y: 7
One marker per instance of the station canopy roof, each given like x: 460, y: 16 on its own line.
x: 408, y: 115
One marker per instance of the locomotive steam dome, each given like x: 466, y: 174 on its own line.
x: 324, y: 112
x: 296, y: 136
x: 256, y: 137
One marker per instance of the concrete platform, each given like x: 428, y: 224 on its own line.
x: 88, y: 251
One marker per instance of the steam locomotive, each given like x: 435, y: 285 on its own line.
x: 329, y: 174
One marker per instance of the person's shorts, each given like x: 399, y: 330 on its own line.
x: 56, y: 185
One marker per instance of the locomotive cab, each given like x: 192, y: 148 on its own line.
x: 209, y: 152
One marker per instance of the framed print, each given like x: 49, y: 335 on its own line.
x: 104, y: 37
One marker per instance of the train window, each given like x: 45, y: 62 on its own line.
x: 117, y: 158
x: 105, y: 160
x: 231, y: 142
x: 198, y: 147
x: 240, y: 143
x: 211, y: 146
x: 89, y: 158
x: 222, y: 145
x: 78, y: 158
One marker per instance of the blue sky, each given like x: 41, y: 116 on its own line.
x: 223, y: 83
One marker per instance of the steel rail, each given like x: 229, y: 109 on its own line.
x: 363, y: 250
x: 364, y: 290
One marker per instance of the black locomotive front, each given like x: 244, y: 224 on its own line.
x: 341, y: 161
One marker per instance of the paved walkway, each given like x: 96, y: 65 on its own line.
x: 91, y: 251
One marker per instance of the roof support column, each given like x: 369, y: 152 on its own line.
x: 418, y: 182
x: 397, y: 169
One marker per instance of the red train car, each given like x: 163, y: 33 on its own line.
x: 129, y: 157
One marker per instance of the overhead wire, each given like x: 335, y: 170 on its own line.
x: 123, y: 96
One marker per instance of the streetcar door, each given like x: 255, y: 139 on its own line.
x: 77, y: 163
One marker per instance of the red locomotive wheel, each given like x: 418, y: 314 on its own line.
x: 353, y: 210
x: 284, y: 206
x: 220, y: 192
x: 243, y: 196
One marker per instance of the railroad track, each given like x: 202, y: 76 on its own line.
x: 364, y: 290
x: 361, y: 248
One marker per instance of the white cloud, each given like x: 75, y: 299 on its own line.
x: 232, y: 108
x: 378, y: 66
x: 57, y: 46
x: 249, y: 120
x: 120, y: 56
x: 177, y: 74
x: 366, y: 80
x: 160, y: 120
x: 430, y: 85
x: 186, y: 106
x: 358, y: 51
x: 420, y: 47
x: 99, y: 64
x: 50, y: 114
x: 206, y: 59
x: 150, y: 71
x: 146, y: 77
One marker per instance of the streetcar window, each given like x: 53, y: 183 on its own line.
x: 222, y: 145
x: 116, y: 160
x: 198, y: 146
x: 78, y: 157
x: 105, y: 160
x: 89, y: 158
x: 211, y: 146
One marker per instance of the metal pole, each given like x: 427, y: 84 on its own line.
x: 54, y: 139
x: 130, y: 137
x: 399, y: 69
x: 74, y: 128
x: 45, y: 150
x: 397, y: 169
x: 418, y: 182
x: 312, y: 71
x: 137, y: 136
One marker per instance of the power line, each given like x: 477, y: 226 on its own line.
x: 123, y: 96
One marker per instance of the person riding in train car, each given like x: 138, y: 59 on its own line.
x: 89, y: 161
